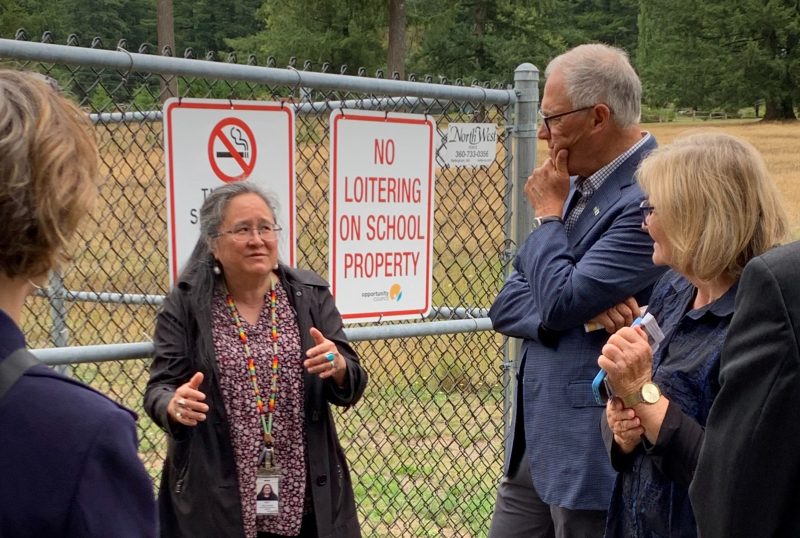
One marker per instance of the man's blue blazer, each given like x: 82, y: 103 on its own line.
x: 560, y: 281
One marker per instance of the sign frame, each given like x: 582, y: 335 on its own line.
x: 377, y: 118
x: 210, y: 114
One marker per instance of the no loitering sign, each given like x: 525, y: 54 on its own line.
x: 381, y: 218
x: 208, y: 143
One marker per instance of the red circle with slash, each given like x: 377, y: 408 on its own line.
x: 242, y: 160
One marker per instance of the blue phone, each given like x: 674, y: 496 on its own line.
x: 600, y: 388
x: 600, y: 385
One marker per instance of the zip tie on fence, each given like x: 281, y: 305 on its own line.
x: 230, y: 102
x: 482, y: 89
x: 130, y: 67
x: 299, y: 80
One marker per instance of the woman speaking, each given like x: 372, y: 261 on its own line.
x: 249, y: 354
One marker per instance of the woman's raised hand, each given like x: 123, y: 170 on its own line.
x: 186, y: 406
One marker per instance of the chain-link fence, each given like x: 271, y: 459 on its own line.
x: 426, y: 442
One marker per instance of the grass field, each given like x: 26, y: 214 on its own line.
x: 425, y: 443
x: 779, y: 143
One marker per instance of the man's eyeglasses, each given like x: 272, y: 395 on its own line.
x: 547, y: 119
x: 646, y: 209
x: 244, y: 233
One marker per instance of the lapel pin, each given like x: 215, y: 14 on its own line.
x: 596, y: 211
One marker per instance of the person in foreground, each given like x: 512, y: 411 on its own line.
x: 249, y: 355
x: 586, y: 253
x: 68, y: 455
x: 711, y: 207
x: 747, y: 481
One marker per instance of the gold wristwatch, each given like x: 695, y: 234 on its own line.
x: 649, y: 394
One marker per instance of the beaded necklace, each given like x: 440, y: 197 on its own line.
x: 266, y: 419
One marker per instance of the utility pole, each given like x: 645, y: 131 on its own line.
x: 397, y: 37
x: 166, y: 40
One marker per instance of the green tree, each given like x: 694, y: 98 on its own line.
x: 35, y: 16
x: 613, y: 22
x: 205, y: 25
x: 110, y: 20
x: 721, y: 53
x: 351, y: 32
x: 481, y: 39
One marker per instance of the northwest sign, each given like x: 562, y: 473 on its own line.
x: 208, y: 143
x: 381, y: 218
x: 471, y: 144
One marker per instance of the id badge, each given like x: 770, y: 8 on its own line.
x: 268, y: 488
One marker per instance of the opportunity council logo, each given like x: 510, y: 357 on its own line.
x: 395, y: 292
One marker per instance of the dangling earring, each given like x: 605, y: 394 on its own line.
x: 217, y: 270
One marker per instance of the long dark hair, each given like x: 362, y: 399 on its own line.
x: 199, y: 269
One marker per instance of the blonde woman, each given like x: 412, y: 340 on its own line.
x: 711, y: 207
x: 68, y: 457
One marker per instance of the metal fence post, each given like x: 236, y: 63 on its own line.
x: 526, y: 86
x: 58, y: 312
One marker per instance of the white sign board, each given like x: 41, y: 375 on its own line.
x: 471, y: 144
x: 381, y: 218
x: 208, y: 143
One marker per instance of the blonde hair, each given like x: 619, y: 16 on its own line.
x: 715, y: 201
x: 48, y: 173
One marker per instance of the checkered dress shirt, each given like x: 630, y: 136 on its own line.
x: 586, y: 186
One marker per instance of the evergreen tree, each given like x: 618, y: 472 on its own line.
x: 721, y: 53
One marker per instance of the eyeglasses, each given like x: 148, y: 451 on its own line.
x: 547, y: 119
x: 646, y: 209
x: 244, y: 233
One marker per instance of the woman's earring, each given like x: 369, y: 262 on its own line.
x: 216, y: 269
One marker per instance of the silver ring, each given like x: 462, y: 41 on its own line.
x: 178, y: 414
x: 182, y: 402
x: 333, y: 367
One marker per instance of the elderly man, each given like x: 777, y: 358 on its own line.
x: 585, y: 254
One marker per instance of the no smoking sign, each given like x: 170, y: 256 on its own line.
x: 232, y: 150
x: 208, y: 143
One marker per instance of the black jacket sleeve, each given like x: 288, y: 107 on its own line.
x: 171, y: 366
x: 677, y: 447
x: 330, y: 324
x: 748, y: 475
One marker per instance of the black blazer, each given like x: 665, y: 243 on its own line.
x: 199, y: 492
x: 747, y: 482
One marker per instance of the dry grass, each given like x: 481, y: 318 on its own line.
x: 779, y: 143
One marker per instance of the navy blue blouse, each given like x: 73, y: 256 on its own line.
x: 650, y: 497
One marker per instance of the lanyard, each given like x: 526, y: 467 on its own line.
x: 265, y: 418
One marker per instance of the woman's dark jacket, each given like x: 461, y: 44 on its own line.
x: 199, y: 492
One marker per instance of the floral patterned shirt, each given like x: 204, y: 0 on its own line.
x: 246, y: 431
